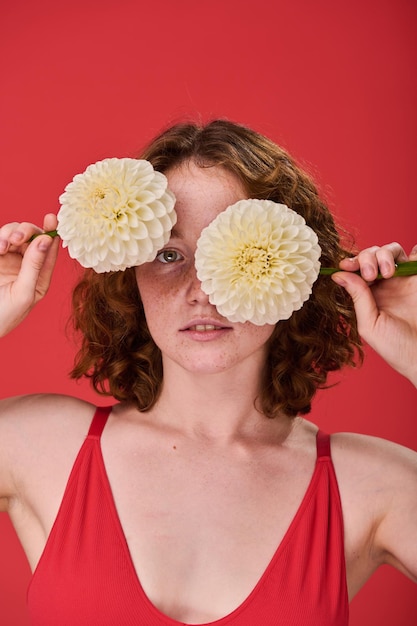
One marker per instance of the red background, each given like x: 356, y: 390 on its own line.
x: 334, y: 82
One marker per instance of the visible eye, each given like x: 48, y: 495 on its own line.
x: 169, y: 256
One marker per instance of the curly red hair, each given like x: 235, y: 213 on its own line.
x: 117, y: 350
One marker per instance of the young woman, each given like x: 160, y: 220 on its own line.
x: 204, y: 496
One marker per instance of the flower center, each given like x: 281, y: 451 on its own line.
x: 99, y: 193
x: 254, y: 261
x: 106, y: 203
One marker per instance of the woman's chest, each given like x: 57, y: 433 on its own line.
x: 197, y: 536
x: 204, y: 527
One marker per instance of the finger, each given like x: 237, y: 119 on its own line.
x: 15, y: 235
x: 413, y: 254
x: 36, y: 270
x: 364, y: 261
x: 5, y: 232
x: 22, y: 233
x: 386, y: 258
x: 363, y: 300
x: 6, y: 229
x: 46, y: 272
x: 374, y: 260
x: 50, y: 222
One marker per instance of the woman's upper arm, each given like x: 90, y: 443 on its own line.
x: 33, y: 428
x: 378, y: 487
x: 396, y: 533
x: 9, y: 428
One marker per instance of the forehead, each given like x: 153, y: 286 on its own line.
x: 203, y: 192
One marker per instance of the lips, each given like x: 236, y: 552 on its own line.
x: 204, y: 326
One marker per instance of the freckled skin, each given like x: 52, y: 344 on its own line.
x: 170, y: 291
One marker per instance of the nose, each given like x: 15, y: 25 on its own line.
x: 195, y: 294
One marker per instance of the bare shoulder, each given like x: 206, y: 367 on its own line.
x: 38, y: 413
x: 367, y: 465
x: 38, y: 403
x: 35, y: 429
x: 378, y: 487
x: 356, y: 453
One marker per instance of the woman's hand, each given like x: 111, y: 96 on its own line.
x: 25, y: 269
x: 386, y: 308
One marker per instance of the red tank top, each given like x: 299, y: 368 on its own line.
x: 86, y: 576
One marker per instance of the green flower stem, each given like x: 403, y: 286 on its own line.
x: 408, y: 268
x: 51, y: 233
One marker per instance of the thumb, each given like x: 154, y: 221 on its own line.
x: 363, y: 299
x: 36, y: 270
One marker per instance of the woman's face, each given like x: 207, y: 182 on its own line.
x: 184, y: 325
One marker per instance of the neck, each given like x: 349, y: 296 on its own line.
x: 220, y: 406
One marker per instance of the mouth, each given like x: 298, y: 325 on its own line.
x: 205, y: 327
x: 201, y: 328
x: 205, y: 331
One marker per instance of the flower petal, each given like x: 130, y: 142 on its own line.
x: 116, y: 214
x: 257, y: 261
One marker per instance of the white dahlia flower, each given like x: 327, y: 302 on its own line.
x: 116, y: 214
x: 257, y: 261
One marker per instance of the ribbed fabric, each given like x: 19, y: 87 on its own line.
x: 86, y: 577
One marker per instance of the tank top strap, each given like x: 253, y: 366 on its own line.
x: 323, y: 444
x: 99, y: 421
